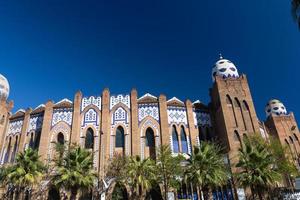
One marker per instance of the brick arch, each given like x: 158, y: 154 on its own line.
x: 115, y: 107
x: 149, y: 122
x: 89, y: 107
x: 28, y: 138
x: 61, y: 127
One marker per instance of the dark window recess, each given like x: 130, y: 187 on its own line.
x: 150, y: 141
x: 120, y: 137
x: 89, y: 139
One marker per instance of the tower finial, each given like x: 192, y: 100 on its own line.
x: 220, y: 56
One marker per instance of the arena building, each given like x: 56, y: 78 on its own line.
x: 134, y: 124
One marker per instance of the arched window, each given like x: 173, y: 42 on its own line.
x: 15, y: 150
x: 237, y: 104
x: 175, y: 140
x: 150, y: 141
x: 286, y: 141
x: 228, y: 100
x: 89, y: 139
x: 245, y: 105
x: 60, y: 138
x: 31, y: 141
x: 291, y: 139
x: 201, y: 134
x: 231, y: 109
x: 120, y: 142
x: 8, y: 151
x: 184, y: 144
x: 237, y: 137
x: 37, y: 140
x: 295, y: 136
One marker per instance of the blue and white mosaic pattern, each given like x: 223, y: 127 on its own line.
x: 15, y: 127
x: 114, y: 100
x: 201, y: 118
x: 119, y: 117
x: 35, y: 122
x: 177, y: 115
x: 86, y: 101
x: 62, y: 115
x: 146, y: 110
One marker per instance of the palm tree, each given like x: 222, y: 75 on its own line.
x: 25, y: 173
x: 75, y: 172
x: 257, y: 166
x: 295, y: 10
x: 206, y: 168
x: 169, y: 169
x: 140, y: 176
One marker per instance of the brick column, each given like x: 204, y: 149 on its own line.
x: 75, y: 133
x: 190, y: 118
x: 4, y: 112
x: 105, y: 131
x: 24, y: 130
x: 135, y: 136
x: 45, y: 134
x: 164, y: 125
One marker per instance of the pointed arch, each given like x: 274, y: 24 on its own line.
x: 231, y: 109
x: 120, y: 140
x: 175, y: 142
x: 150, y: 143
x: 288, y: 144
x: 238, y: 106
x: 89, y: 139
x: 248, y: 113
x: 60, y: 138
x: 183, y: 139
x: 14, y: 150
x: 7, y: 154
x: 237, y: 137
x: 31, y: 140
x: 37, y: 139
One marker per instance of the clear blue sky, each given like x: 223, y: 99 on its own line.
x: 50, y: 50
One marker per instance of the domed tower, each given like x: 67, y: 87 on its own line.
x: 5, y: 107
x: 283, y: 126
x: 224, y: 68
x: 233, y: 110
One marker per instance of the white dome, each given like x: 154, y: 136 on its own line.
x: 275, y: 107
x: 225, y: 69
x: 4, y: 88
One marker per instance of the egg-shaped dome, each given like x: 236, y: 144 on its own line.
x: 225, y: 69
x: 4, y: 88
x: 274, y: 106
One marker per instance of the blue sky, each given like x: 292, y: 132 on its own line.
x: 50, y: 50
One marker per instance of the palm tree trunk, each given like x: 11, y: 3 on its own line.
x: 199, y: 192
x: 73, y: 194
x: 166, y: 190
x: 192, y: 190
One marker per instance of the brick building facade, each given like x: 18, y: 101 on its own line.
x: 134, y: 124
